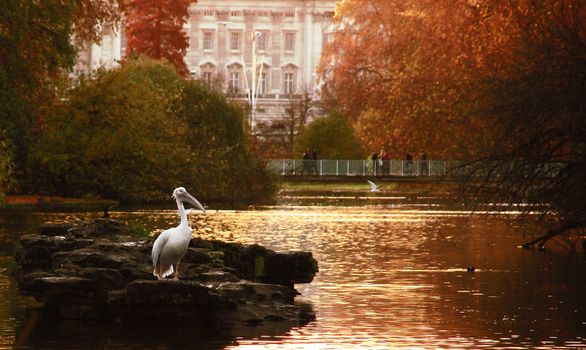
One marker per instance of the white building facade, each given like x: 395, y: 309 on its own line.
x: 289, y: 37
x: 106, y: 54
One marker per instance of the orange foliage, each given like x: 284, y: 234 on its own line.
x: 155, y: 29
x: 405, y: 71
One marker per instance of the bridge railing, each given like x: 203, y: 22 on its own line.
x: 360, y: 167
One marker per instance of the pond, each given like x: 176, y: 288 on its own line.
x: 391, y: 276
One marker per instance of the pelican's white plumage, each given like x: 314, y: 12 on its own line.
x: 171, y: 245
x: 373, y: 187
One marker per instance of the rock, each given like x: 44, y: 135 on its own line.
x: 216, y: 277
x: 163, y: 301
x: 280, y: 268
x: 102, y: 228
x: 70, y: 297
x: 130, y: 260
x: 97, y: 270
x: 257, y: 263
x: 263, y: 293
x: 55, y: 229
x: 36, y: 253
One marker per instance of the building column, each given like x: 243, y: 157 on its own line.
x: 309, y: 48
x: 116, y: 47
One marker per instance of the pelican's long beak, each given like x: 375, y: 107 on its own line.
x: 186, y: 197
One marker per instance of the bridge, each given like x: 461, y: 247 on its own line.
x: 409, y: 170
x: 360, y: 168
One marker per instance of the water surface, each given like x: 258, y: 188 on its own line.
x: 390, y: 276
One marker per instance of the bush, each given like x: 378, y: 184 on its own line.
x: 226, y: 169
x: 332, y: 137
x: 137, y: 132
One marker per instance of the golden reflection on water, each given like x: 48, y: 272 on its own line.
x: 392, y: 277
x: 8, y: 328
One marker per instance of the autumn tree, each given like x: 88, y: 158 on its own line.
x: 397, y: 69
x: 497, y: 83
x: 91, y: 17
x: 155, y: 28
x: 278, y: 138
x: 536, y: 104
x: 297, y: 112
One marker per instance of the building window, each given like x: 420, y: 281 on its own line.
x: 234, y: 83
x: 235, y: 41
x: 207, y: 78
x: 208, y: 13
x: 235, y: 14
x: 263, y: 14
x: 289, y: 15
x: 288, y: 83
x: 262, y: 84
x: 262, y: 41
x: 289, y: 41
x: 208, y: 41
x: 123, y: 42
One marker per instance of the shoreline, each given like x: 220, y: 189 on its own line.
x: 35, y: 202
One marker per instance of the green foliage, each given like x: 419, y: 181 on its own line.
x: 135, y: 133
x: 259, y: 267
x: 138, y: 229
x: 35, y: 47
x: 115, y: 136
x: 36, y: 54
x: 217, y: 135
x: 332, y: 137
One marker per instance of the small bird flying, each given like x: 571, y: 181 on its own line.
x: 171, y: 245
x: 373, y: 187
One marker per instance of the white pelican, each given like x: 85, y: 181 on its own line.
x: 373, y: 187
x: 171, y: 245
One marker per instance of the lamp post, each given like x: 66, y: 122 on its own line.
x: 252, y: 90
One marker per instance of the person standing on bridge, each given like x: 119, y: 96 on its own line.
x: 409, y: 162
x: 305, y: 165
x: 386, y: 159
x: 423, y: 166
x: 314, y: 162
x: 374, y: 158
x: 381, y: 162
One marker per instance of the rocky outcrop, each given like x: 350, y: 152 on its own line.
x: 98, y: 270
